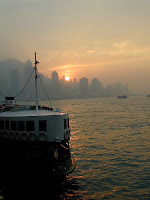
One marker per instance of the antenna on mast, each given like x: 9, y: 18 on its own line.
x: 36, y: 62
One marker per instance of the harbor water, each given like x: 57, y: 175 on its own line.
x: 110, y: 140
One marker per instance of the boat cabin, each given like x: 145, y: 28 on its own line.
x: 44, y: 125
x: 9, y: 100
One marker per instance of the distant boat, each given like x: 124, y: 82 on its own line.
x: 122, y: 97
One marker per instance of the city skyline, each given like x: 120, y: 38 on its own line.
x: 106, y: 39
x: 12, y: 81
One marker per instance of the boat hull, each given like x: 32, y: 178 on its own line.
x: 35, y: 158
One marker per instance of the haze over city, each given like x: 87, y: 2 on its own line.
x: 105, y: 39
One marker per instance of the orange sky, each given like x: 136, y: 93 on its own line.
x: 105, y: 39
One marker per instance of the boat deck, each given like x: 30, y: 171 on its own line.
x: 29, y: 113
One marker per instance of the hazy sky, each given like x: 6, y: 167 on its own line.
x: 105, y: 39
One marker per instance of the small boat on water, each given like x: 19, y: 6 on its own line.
x: 34, y: 139
x: 122, y: 97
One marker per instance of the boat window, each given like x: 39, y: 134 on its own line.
x: 7, y: 125
x: 21, y: 126
x: 29, y: 125
x: 65, y: 123
x: 42, y: 125
x: 13, y: 125
x: 68, y: 122
x: 1, y: 125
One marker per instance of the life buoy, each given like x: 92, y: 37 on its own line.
x: 32, y: 136
x: 42, y: 137
x: 6, y: 134
x: 17, y: 135
x: 24, y: 136
x: 11, y: 135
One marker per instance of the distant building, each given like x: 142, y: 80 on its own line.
x: 74, y: 83
x: 55, y: 86
x: 117, y: 89
x: 83, y: 87
x: 40, y: 91
x: 55, y: 77
x: 96, y: 88
x: 28, y: 69
x: 3, y: 88
x: 29, y: 90
x: 14, y: 82
x: 95, y: 85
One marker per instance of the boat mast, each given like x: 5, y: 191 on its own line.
x: 36, y: 62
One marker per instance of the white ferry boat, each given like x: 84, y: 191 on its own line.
x: 34, y: 139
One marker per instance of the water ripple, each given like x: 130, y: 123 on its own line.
x: 111, y: 142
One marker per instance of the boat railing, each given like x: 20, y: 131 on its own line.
x: 18, y: 108
x: 14, y: 108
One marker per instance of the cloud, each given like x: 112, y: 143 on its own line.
x: 63, y: 67
x: 121, y: 45
x: 128, y: 50
x: 120, y: 48
x: 91, y: 51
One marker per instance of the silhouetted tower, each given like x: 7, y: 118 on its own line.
x: 95, y: 85
x: 74, y: 83
x: 83, y: 87
x: 28, y: 69
x: 14, y: 82
x: 3, y: 88
x: 55, y: 86
x: 29, y: 90
x: 97, y: 89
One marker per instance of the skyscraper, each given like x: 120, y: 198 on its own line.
x: 29, y: 90
x: 97, y: 90
x: 55, y: 86
x: 83, y: 87
x: 14, y: 82
x: 3, y: 88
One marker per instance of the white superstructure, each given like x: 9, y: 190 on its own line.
x: 43, y: 125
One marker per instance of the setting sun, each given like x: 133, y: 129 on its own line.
x: 67, y: 78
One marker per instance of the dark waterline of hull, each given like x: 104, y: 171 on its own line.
x: 35, y: 158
